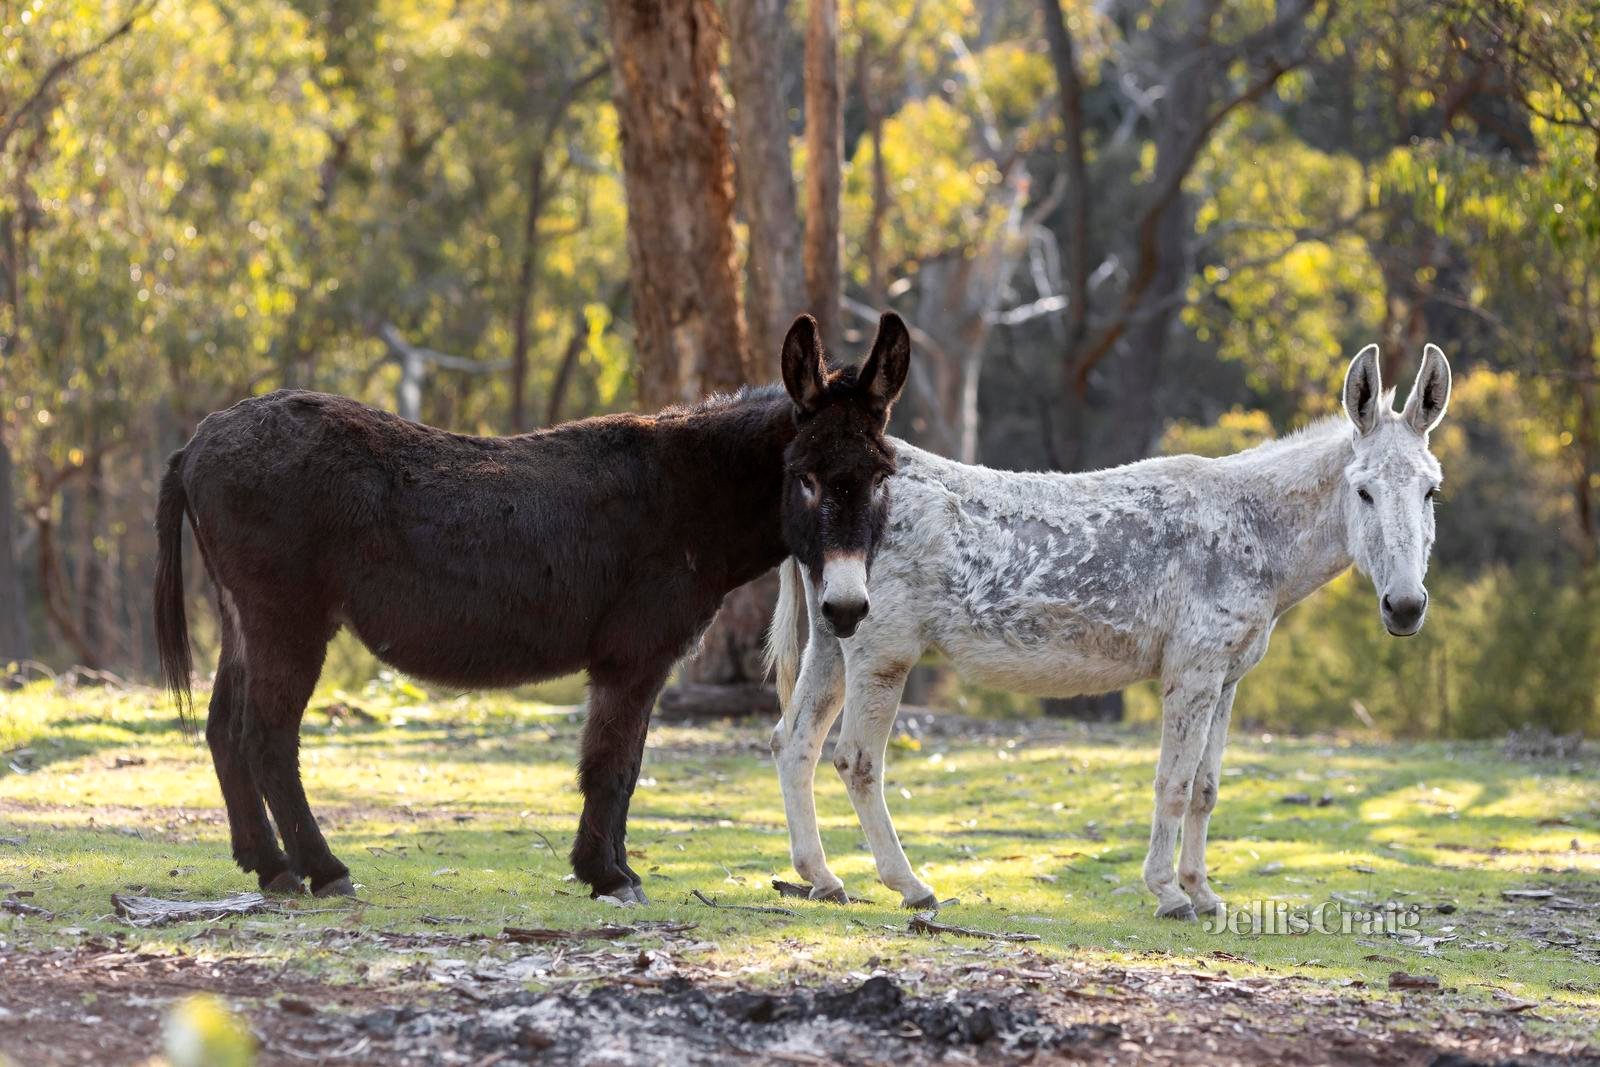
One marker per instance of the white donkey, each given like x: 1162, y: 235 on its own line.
x: 1061, y: 584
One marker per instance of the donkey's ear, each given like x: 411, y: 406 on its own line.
x: 883, y: 375
x: 1431, y: 393
x: 1363, y: 389
x: 804, y: 373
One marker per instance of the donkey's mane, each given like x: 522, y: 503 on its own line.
x: 1303, y: 459
x: 745, y: 395
x: 840, y: 379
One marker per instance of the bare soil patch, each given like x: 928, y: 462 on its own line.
x: 100, y: 1004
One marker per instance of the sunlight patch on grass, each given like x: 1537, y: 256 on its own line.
x: 462, y: 811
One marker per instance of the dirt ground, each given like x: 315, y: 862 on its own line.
x: 101, y: 1004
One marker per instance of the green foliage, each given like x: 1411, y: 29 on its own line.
x: 234, y: 197
x: 1502, y: 651
x: 1234, y: 431
x: 1293, y: 290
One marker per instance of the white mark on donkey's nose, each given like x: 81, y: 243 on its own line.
x: 844, y: 591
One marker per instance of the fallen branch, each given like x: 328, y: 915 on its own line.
x: 801, y: 891
x: 528, y: 935
x: 698, y: 702
x: 19, y: 907
x: 711, y: 902
x: 924, y: 923
x: 153, y: 911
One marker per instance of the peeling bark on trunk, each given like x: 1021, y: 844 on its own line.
x: 775, y: 284
x: 678, y: 174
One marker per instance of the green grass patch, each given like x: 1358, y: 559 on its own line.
x: 460, y: 812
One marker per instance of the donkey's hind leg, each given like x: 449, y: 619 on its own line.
x: 255, y: 845
x: 284, y: 665
x: 871, y: 701
x: 1192, y: 854
x: 797, y: 747
x: 608, y: 770
x: 1190, y: 698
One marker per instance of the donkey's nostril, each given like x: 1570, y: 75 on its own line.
x: 1404, y: 613
x: 844, y: 616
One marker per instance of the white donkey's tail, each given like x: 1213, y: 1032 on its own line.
x: 783, y: 637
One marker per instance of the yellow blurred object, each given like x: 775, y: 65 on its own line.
x: 202, y: 1032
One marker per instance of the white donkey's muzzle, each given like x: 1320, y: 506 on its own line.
x: 1403, y: 611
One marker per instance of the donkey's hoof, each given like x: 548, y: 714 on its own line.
x: 832, y: 896
x: 927, y: 903
x: 286, y: 883
x: 626, y: 893
x: 1182, y: 912
x: 339, y: 887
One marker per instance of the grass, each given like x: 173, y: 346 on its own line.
x: 463, y: 809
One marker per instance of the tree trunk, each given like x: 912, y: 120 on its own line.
x: 694, y: 703
x: 1117, y: 419
x: 1588, y: 463
x: 91, y: 595
x: 757, y: 31
x: 569, y: 362
x: 1075, y: 216
x: 538, y: 191
x: 731, y: 651
x: 824, y: 168
x: 1102, y: 707
x: 877, y: 284
x: 527, y: 275
x: 14, y: 643
x: 677, y: 169
x: 678, y: 175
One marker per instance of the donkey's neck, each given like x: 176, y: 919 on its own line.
x: 1299, y: 482
x: 732, y: 449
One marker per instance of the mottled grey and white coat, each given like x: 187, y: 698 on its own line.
x: 1062, y: 584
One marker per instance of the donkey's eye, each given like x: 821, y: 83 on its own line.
x: 810, y: 488
x: 1431, y: 494
x: 1366, y: 497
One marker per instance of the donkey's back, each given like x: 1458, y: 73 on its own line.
x: 1055, y: 584
x: 466, y: 560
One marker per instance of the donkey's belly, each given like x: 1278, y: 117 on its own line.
x: 455, y: 634
x: 1070, y: 661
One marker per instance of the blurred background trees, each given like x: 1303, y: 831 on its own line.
x: 1117, y: 228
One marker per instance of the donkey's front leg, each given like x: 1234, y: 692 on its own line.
x: 608, y: 769
x: 1192, y: 855
x: 797, y: 746
x: 1189, y: 700
x: 871, y: 701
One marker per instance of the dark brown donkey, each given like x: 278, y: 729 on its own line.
x: 605, y: 544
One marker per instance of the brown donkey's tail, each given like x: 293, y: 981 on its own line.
x: 172, y: 624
